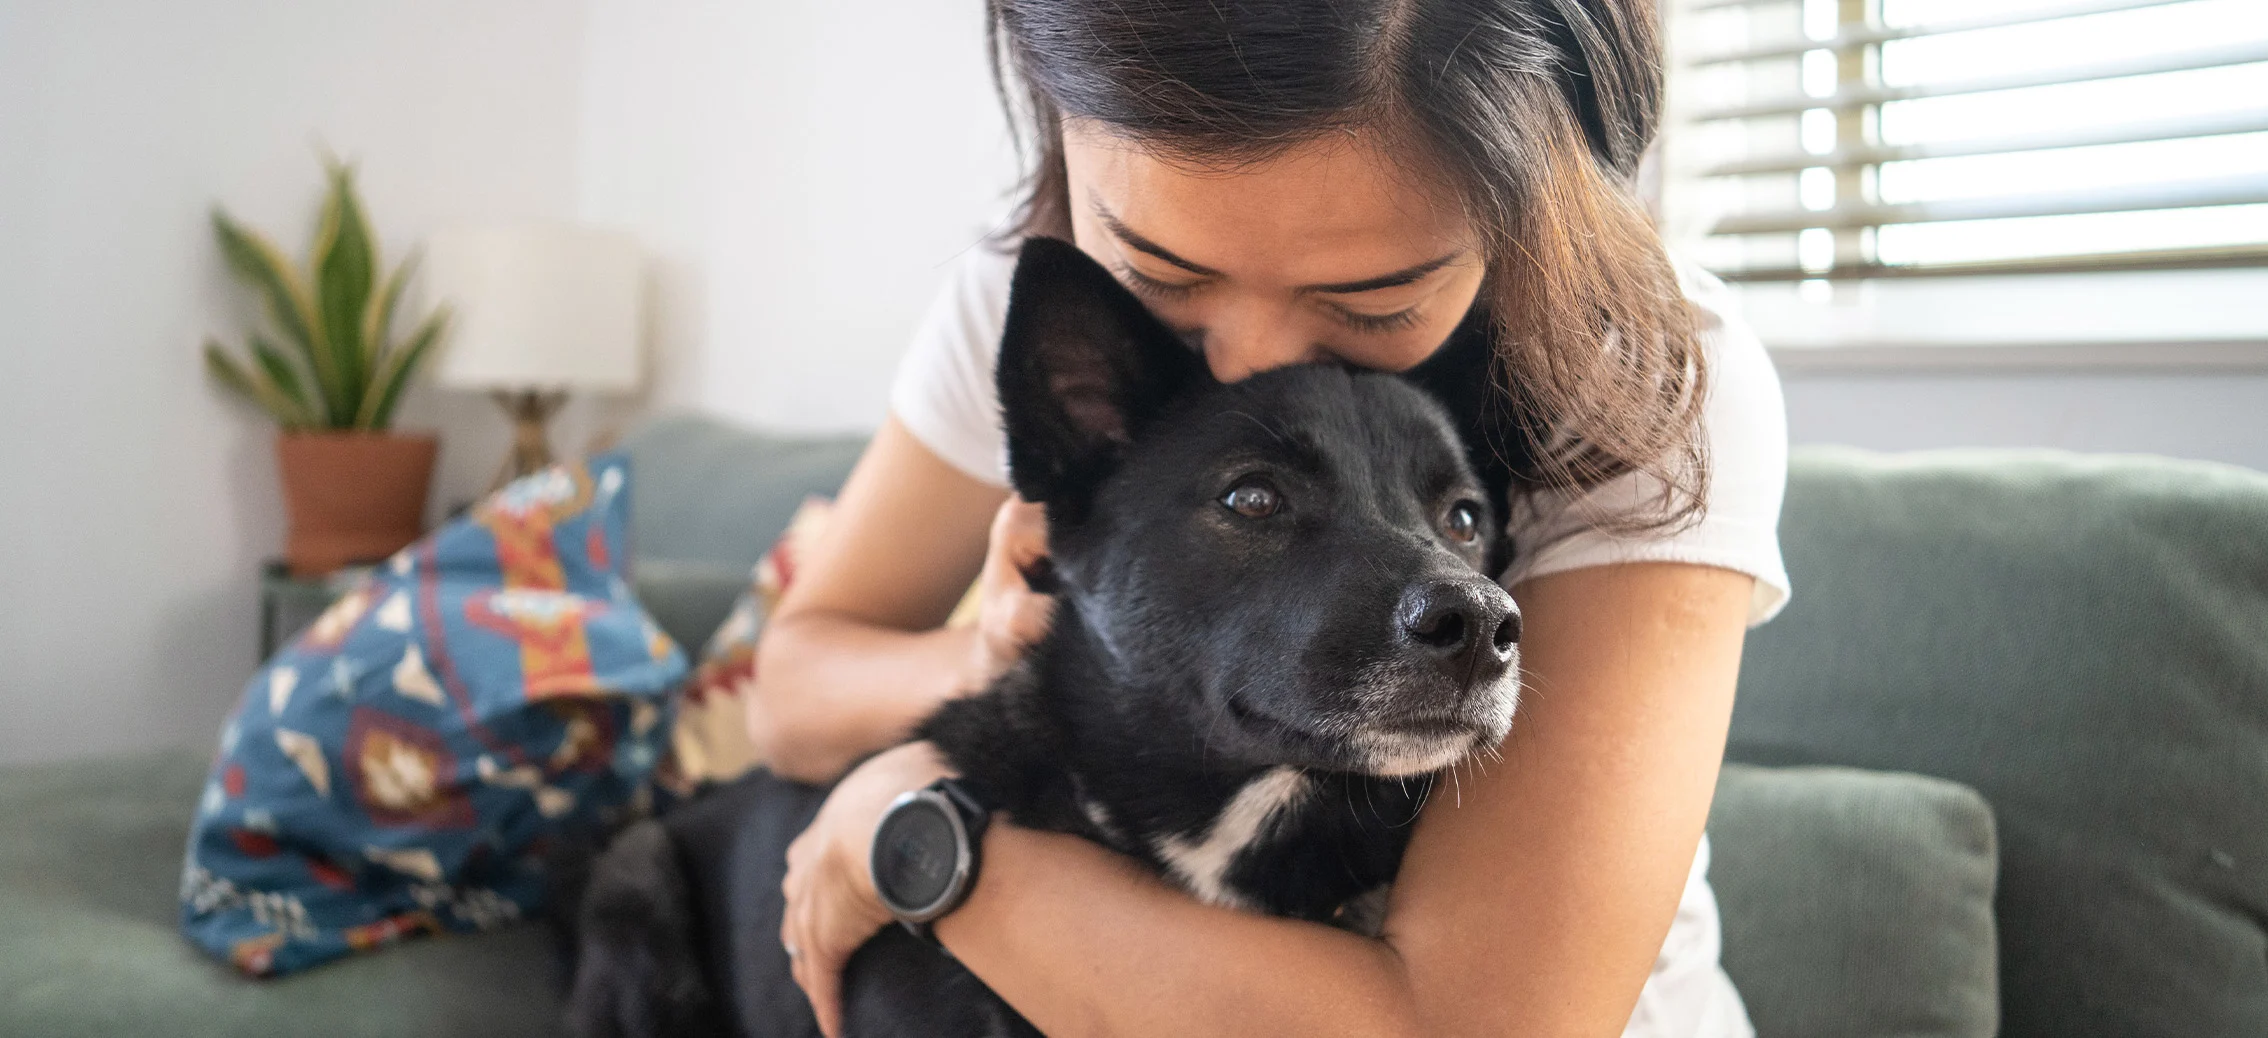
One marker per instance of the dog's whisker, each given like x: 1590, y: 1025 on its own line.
x: 1374, y: 567
x: 1264, y: 427
x: 1424, y: 794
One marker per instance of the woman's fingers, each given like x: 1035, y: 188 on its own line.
x: 825, y: 926
x: 831, y: 904
x: 837, y: 938
x: 1019, y: 533
x: 815, y: 955
x: 796, y: 932
x: 1014, y: 615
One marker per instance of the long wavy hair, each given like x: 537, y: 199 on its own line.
x: 1532, y: 113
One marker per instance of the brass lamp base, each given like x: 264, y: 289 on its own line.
x: 530, y: 411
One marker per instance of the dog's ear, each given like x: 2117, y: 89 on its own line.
x: 1083, y: 365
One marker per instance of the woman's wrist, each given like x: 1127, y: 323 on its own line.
x: 1005, y: 849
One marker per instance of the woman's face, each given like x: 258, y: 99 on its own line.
x: 1326, y: 252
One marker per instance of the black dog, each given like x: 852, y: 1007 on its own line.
x: 1273, y: 628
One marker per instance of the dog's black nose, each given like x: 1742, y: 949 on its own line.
x: 1464, y: 623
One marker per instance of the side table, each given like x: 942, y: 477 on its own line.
x: 288, y: 604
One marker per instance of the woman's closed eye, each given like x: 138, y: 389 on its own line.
x: 1158, y: 288
x: 1378, y: 323
x: 1155, y: 288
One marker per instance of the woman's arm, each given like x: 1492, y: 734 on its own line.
x: 1535, y: 895
x: 853, y: 657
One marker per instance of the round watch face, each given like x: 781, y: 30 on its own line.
x: 916, y: 854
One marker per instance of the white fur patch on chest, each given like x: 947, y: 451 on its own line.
x: 1200, y: 865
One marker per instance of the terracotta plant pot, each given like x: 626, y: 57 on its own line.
x: 352, y: 497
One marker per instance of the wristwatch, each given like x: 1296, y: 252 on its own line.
x: 927, y: 849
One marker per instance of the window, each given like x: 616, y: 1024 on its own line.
x: 1977, y: 172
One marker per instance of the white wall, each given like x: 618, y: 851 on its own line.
x: 806, y: 171
x: 135, y: 500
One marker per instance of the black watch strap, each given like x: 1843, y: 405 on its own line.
x: 975, y: 802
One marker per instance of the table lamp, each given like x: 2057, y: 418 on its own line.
x: 539, y: 311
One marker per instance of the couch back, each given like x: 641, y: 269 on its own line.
x: 707, y: 500
x: 715, y: 493
x: 2084, y: 640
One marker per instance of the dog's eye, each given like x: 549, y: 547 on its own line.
x: 1463, y: 522
x: 1252, y: 499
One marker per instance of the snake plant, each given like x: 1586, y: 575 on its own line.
x: 339, y: 366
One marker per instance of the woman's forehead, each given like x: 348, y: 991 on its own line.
x: 1334, y: 210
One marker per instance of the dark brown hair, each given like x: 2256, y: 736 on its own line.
x: 1533, y: 113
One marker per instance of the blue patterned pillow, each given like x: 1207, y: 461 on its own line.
x: 396, y: 770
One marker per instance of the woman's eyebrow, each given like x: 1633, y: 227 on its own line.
x: 1135, y: 241
x: 1407, y: 275
x: 1404, y: 276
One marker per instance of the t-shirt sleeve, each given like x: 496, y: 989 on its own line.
x: 1745, y: 422
x: 944, y: 392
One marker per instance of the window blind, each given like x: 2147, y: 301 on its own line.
x: 1839, y: 140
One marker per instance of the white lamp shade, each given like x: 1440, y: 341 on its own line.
x: 540, y: 307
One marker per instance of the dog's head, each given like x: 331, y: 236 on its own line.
x: 1292, y: 560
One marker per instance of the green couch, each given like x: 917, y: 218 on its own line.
x: 2001, y: 766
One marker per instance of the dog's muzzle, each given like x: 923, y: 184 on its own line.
x: 1458, y: 652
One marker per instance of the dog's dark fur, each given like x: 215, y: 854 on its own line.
x: 1255, y: 707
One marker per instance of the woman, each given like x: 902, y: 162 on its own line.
x: 1340, y: 181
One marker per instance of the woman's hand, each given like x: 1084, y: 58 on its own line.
x: 831, y: 904
x: 1014, y: 616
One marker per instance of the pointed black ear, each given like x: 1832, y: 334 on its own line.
x: 1083, y: 366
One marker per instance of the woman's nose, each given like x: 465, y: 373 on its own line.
x: 1243, y: 341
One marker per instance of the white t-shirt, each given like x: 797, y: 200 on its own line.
x: 945, y: 396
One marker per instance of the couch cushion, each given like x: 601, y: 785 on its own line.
x: 90, y: 855
x: 1856, y: 903
x: 2084, y: 640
